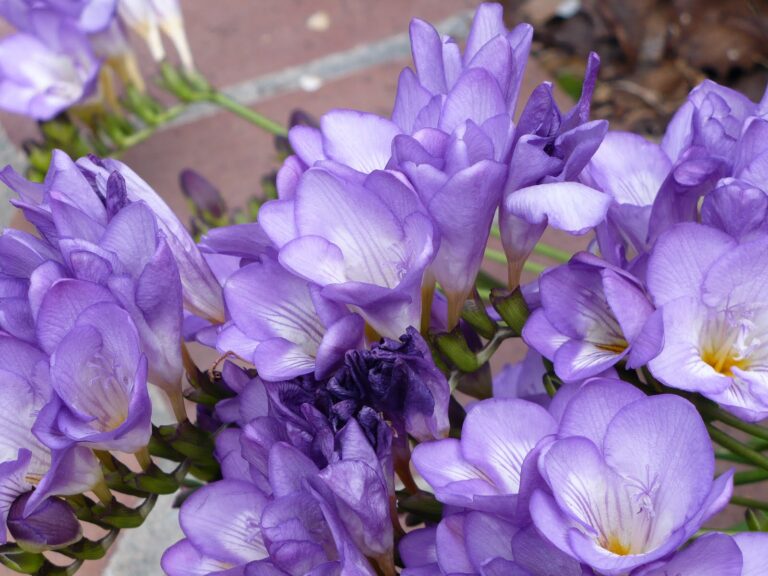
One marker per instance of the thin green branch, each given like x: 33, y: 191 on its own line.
x: 246, y: 113
x: 738, y: 448
x: 749, y: 503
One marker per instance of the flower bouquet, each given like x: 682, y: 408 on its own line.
x: 350, y: 423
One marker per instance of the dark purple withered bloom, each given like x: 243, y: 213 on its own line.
x: 591, y: 314
x: 631, y: 483
x: 549, y: 152
x: 397, y: 378
x: 365, y: 242
x: 48, y: 71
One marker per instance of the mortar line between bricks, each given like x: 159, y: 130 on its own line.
x: 330, y: 67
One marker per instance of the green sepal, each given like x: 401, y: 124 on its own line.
x: 756, y: 520
x: 512, y: 308
x: 478, y: 384
x: 475, y: 314
x: 423, y: 505
x: 86, y: 549
x: 19, y: 561
x: 454, y: 347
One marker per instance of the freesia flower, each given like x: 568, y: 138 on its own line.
x: 483, y: 544
x: 631, y: 170
x: 44, y: 73
x: 489, y: 467
x: 284, y: 325
x: 25, y: 462
x: 104, y: 236
x: 365, y: 243
x: 710, y: 291
x: 591, y: 313
x: 98, y: 372
x: 630, y: 483
x: 550, y: 151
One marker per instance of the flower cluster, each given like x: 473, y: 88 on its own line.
x: 66, y: 53
x: 354, y: 427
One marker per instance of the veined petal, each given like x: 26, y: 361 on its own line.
x: 359, y: 140
x: 222, y: 521
x: 681, y: 258
x: 499, y: 433
x: 567, y: 206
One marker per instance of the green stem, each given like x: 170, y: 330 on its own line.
x: 737, y: 447
x: 721, y: 415
x: 141, y: 135
x: 749, y: 477
x: 246, y: 113
x: 749, y: 503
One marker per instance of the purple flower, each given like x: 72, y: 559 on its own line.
x: 201, y: 290
x: 439, y: 64
x: 365, y: 243
x: 88, y: 16
x: 489, y: 468
x: 591, y: 313
x: 710, y: 291
x: 631, y: 171
x: 482, y: 544
x: 51, y: 526
x: 629, y: 478
x: 42, y: 74
x: 284, y: 325
x: 738, y: 205
x: 95, y: 232
x: 456, y: 118
x: 549, y: 153
x: 743, y: 554
x: 712, y: 118
x: 524, y: 380
x: 221, y: 522
x: 26, y: 463
x: 98, y: 372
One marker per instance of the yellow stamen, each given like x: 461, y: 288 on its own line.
x: 616, y: 546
